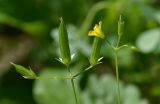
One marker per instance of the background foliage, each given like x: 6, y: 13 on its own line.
x: 28, y: 36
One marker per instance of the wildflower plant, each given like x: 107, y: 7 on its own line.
x: 116, y: 49
x: 98, y: 36
x: 66, y: 57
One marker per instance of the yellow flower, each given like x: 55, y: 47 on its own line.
x: 97, y: 31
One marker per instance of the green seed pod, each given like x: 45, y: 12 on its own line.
x: 95, y: 52
x: 26, y: 73
x: 64, y: 44
x: 120, y: 26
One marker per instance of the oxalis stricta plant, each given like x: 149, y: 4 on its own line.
x: 66, y: 57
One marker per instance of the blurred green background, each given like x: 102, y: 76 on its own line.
x: 29, y: 36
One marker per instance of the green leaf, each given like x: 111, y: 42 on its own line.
x: 149, y: 40
x: 26, y: 73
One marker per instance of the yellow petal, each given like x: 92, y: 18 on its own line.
x: 92, y: 33
x: 97, y: 31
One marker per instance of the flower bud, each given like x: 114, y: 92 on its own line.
x: 96, y: 47
x: 64, y: 44
x: 120, y: 26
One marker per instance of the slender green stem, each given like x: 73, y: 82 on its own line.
x: 73, y: 85
x: 74, y: 91
x: 117, y: 72
x: 69, y: 70
x: 54, y: 78
x: 117, y: 75
x: 123, y: 46
x: 82, y: 71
